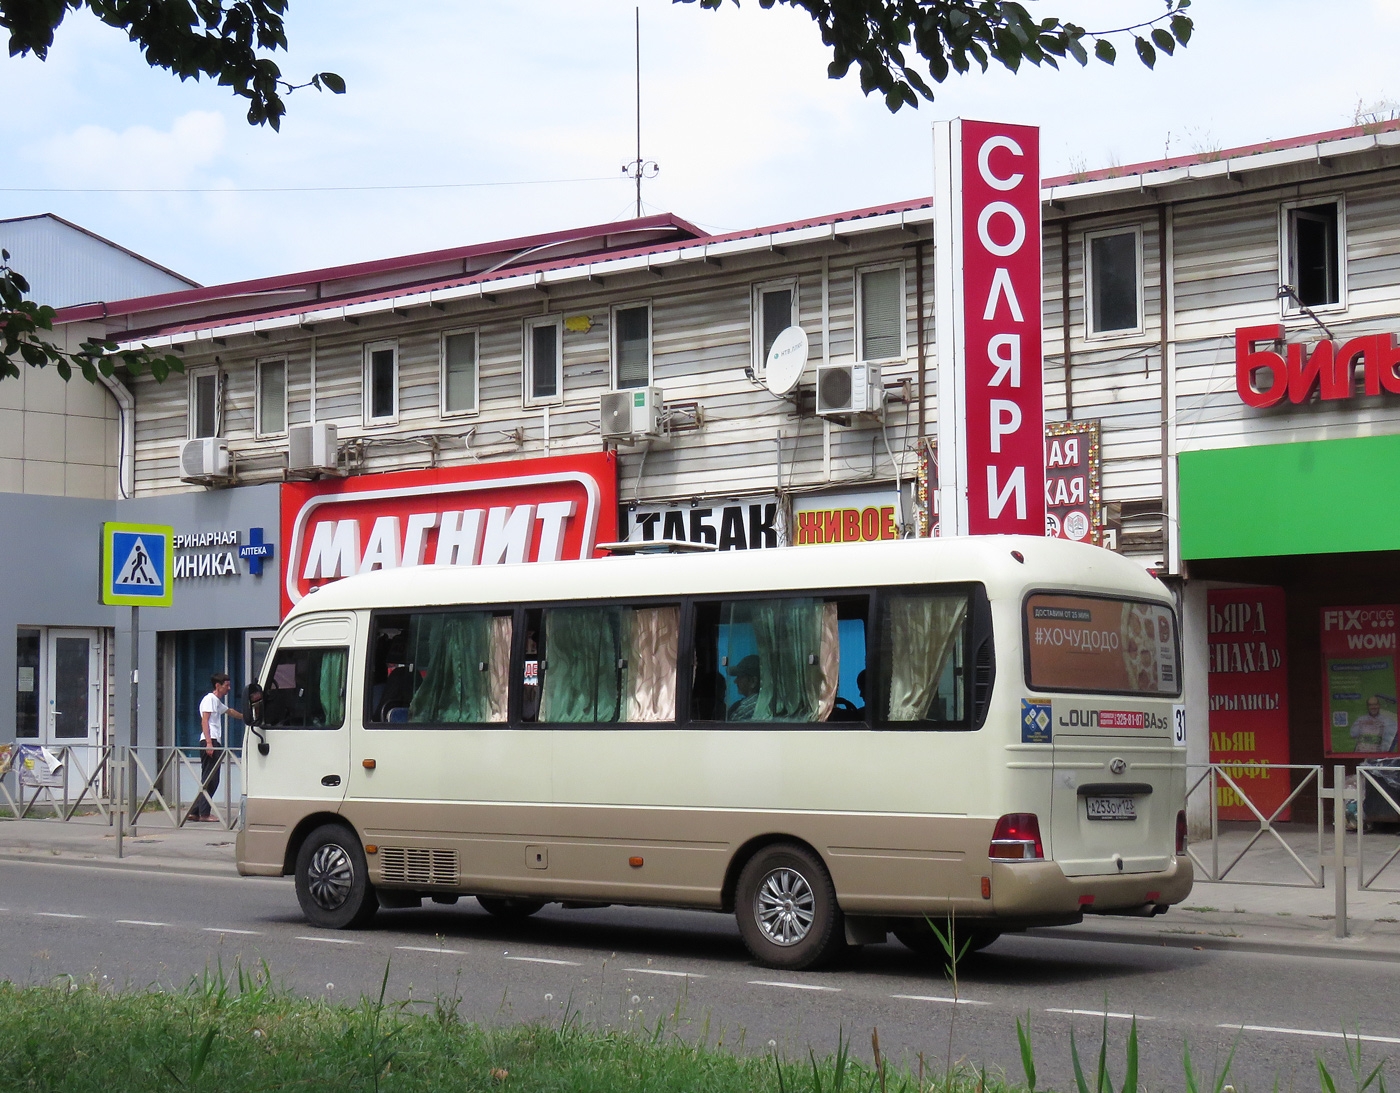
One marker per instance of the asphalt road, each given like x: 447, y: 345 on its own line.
x: 621, y: 966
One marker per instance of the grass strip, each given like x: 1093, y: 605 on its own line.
x: 233, y: 1036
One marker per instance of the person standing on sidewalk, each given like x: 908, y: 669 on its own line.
x: 212, y: 712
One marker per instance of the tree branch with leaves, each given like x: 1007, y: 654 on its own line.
x: 891, y: 42
x: 24, y: 324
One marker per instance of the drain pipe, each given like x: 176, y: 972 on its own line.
x: 126, y: 435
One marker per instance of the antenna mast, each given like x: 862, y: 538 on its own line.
x: 639, y: 168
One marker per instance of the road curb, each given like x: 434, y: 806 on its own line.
x: 1339, y: 950
x: 44, y: 856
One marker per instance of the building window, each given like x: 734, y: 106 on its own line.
x: 206, y: 399
x: 543, y: 360
x: 1312, y: 254
x: 459, y: 372
x: 774, y: 310
x: 880, y: 313
x: 272, y: 398
x: 1113, y: 274
x: 631, y: 345
x: 381, y: 383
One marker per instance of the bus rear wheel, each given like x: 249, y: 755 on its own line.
x: 509, y: 907
x: 332, y: 880
x: 786, y: 907
x: 920, y: 935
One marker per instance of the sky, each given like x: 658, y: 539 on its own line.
x: 473, y: 120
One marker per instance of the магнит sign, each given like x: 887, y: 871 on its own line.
x: 522, y: 511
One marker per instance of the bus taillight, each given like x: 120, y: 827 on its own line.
x: 1017, y: 837
x: 1181, y: 832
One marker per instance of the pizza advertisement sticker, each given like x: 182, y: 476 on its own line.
x: 1085, y: 643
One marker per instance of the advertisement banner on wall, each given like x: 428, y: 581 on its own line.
x: 1248, y: 682
x: 730, y: 523
x: 1359, y: 681
x: 1073, y: 507
x: 524, y: 510
x: 861, y: 517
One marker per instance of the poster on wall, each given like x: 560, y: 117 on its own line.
x: 1248, y: 683
x: 1073, y: 509
x: 1359, y: 682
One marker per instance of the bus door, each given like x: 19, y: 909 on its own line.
x: 303, y: 724
x: 1119, y: 780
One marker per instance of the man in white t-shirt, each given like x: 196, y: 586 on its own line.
x: 213, y: 711
x: 1375, y: 729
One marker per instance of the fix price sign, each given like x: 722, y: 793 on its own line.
x: 989, y: 236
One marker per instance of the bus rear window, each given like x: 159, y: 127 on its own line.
x: 1089, y: 644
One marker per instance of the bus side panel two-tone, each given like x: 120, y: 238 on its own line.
x: 1013, y: 782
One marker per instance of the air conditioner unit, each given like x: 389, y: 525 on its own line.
x: 313, y: 448
x: 631, y: 415
x: 847, y: 389
x: 205, y: 460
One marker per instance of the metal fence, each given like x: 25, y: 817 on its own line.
x: 116, y: 785
x: 1379, y: 785
x: 1227, y: 849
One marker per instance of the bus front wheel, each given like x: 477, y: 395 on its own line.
x: 786, y: 907
x: 332, y: 880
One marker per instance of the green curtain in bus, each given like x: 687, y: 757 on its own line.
x: 332, y: 686
x: 788, y: 634
x: 922, y: 633
x: 582, y: 647
x: 455, y: 689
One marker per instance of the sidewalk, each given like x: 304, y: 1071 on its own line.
x: 1245, y: 917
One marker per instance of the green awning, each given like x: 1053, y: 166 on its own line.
x: 1318, y: 497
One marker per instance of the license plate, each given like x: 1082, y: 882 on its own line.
x: 1111, y: 808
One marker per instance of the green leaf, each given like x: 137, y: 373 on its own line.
x: 1324, y: 1078
x: 1145, y: 52
x: 1130, y: 1079
x: 1027, y: 1055
x: 333, y: 83
x: 1182, y: 27
x: 1165, y: 42
x: 1078, y: 1070
x: 1104, y: 51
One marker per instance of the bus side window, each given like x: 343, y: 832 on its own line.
x: 440, y: 668
x: 923, y: 643
x: 789, y: 659
x: 604, y: 664
x: 306, y: 689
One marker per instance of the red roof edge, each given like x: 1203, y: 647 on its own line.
x: 287, y: 281
x: 1225, y: 153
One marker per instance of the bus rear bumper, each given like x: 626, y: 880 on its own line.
x: 1031, y: 890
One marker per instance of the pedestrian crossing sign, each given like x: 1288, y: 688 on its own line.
x: 138, y: 561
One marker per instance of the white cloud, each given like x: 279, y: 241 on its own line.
x: 139, y: 157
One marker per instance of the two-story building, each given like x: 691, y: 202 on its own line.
x: 1217, y: 334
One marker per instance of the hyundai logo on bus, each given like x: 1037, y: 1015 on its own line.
x: 988, y: 257
x: 536, y: 510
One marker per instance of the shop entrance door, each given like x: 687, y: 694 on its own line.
x: 72, y: 689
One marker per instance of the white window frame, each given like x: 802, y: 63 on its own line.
x: 614, y: 329
x: 194, y: 375
x: 527, y: 356
x: 259, y: 426
x: 475, y: 332
x: 859, y: 299
x: 1289, y: 307
x: 788, y: 284
x: 370, y: 348
x: 1139, y: 286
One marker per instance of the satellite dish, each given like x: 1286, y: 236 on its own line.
x: 786, y: 360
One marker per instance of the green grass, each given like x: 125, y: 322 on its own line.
x: 230, y: 1036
